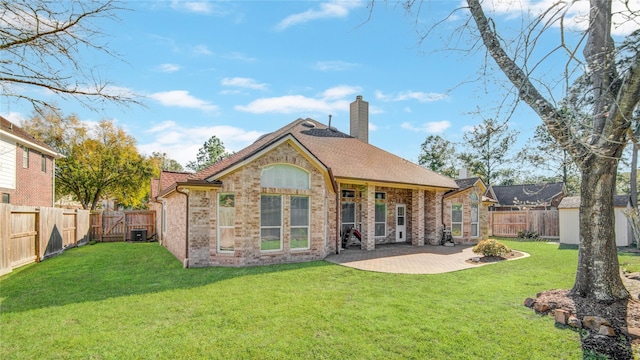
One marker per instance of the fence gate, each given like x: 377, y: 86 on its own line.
x: 110, y: 226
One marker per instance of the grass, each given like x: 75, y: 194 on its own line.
x: 629, y: 262
x: 123, y: 300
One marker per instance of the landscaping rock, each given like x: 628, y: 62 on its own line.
x: 574, y: 322
x: 606, y: 330
x: 528, y: 302
x: 633, y: 333
x: 541, y: 308
x: 594, y: 322
x: 561, y: 316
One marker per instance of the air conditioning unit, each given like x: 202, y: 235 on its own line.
x: 139, y: 235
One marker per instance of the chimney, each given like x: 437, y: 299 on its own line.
x: 359, y: 118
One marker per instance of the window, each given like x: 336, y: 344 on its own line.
x: 226, y: 222
x: 474, y: 215
x: 349, y: 194
x: 348, y: 216
x: 43, y: 164
x: 285, y: 177
x: 456, y: 220
x: 474, y: 220
x: 381, y: 219
x: 6, y: 198
x: 25, y: 157
x: 270, y: 222
x: 381, y: 196
x: 299, y: 222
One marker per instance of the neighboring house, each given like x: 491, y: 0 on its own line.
x: 292, y: 194
x: 27, y: 175
x: 526, y: 196
x: 569, y: 209
x: 466, y: 211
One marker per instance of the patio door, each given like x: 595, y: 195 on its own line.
x: 401, y: 223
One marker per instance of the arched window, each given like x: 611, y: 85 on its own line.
x: 284, y: 176
x: 474, y: 197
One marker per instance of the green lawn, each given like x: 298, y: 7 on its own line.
x: 134, y: 300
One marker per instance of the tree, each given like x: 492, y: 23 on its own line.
x: 489, y: 144
x: 438, y: 155
x: 101, y: 160
x: 544, y: 153
x: 163, y: 163
x: 210, y: 152
x: 42, y: 44
x: 616, y: 94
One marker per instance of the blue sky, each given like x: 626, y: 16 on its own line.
x: 240, y: 69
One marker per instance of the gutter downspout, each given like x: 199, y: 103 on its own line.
x: 336, y: 189
x: 185, y: 263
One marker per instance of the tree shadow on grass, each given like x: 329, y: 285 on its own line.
x: 110, y: 270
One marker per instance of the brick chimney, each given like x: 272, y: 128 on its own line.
x: 359, y: 118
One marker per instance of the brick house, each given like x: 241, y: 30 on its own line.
x: 295, y: 195
x: 27, y: 175
x: 466, y: 211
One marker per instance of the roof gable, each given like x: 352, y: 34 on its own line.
x: 21, y: 136
x: 348, y: 158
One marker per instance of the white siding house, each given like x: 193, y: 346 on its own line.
x: 570, y: 227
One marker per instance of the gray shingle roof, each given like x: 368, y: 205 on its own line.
x: 527, y: 194
x: 573, y: 202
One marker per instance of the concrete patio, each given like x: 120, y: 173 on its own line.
x: 407, y: 259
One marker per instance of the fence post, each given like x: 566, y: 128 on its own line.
x: 5, y: 233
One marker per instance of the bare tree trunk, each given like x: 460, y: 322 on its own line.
x: 598, y: 270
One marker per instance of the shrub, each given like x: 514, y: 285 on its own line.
x: 526, y: 234
x: 491, y: 248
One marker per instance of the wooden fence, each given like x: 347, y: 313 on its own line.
x: 545, y: 223
x: 29, y: 234
x: 110, y: 226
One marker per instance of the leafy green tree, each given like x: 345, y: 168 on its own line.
x: 438, y: 155
x: 211, y: 152
x: 101, y: 160
x: 489, y: 144
x: 163, y: 163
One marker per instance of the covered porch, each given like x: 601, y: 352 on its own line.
x: 373, y: 214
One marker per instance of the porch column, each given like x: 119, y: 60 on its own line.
x: 417, y: 217
x: 434, y: 218
x: 369, y: 238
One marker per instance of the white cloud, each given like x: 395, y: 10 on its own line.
x: 340, y: 91
x: 329, y: 101
x: 334, y: 65
x: 238, y: 56
x: 433, y: 127
x: 15, y: 117
x: 246, y: 83
x: 202, y: 50
x: 372, y: 126
x: 182, y: 143
x: 411, y: 95
x: 468, y: 128
x: 182, y: 98
x: 168, y: 68
x: 200, y: 7
x: 326, y: 10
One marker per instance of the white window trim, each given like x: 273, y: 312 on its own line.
x: 384, y: 222
x: 225, y: 227
x: 271, y: 227
x: 308, y: 185
x: 476, y: 222
x: 461, y: 220
x: 308, y: 226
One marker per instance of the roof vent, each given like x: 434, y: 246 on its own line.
x: 308, y: 124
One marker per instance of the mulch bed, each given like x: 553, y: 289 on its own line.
x: 491, y: 259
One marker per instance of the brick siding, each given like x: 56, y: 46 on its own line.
x: 33, y: 186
